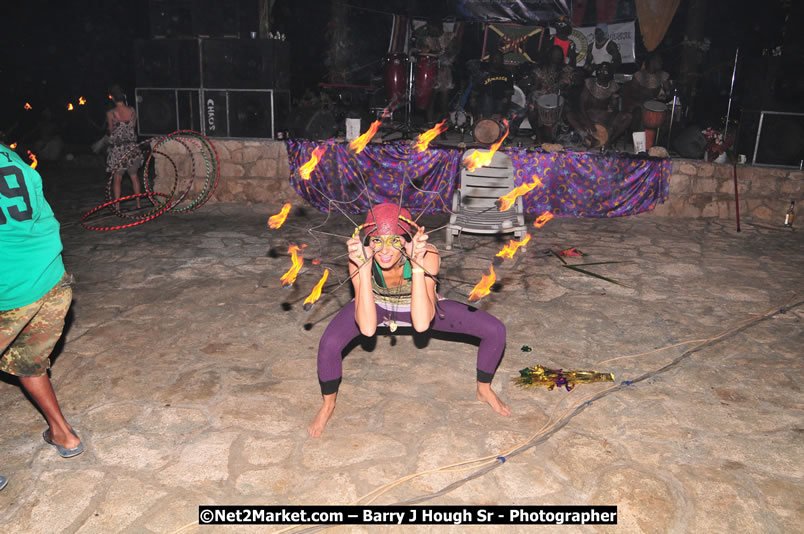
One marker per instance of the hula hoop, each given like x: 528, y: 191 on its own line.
x: 119, y: 227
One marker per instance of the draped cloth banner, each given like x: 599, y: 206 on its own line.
x: 579, y: 184
x: 655, y: 17
x: 428, y: 177
x: 574, y: 184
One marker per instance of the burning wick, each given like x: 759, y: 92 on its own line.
x: 510, y: 249
x: 316, y: 293
x: 542, y: 219
x: 70, y: 106
x: 424, y: 139
x: 297, y: 258
x: 12, y: 146
x: 360, y: 143
x: 507, y: 200
x: 81, y: 101
x: 476, y: 159
x: 483, y: 287
x: 27, y: 106
x: 306, y: 169
x: 276, y: 221
x: 32, y: 157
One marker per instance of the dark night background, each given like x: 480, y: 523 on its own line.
x: 54, y: 52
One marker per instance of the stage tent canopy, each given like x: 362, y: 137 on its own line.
x: 512, y: 11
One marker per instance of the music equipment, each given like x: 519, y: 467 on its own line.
x: 167, y: 63
x: 424, y: 78
x: 653, y: 113
x: 245, y: 63
x: 550, y: 106
x: 395, y: 76
x: 488, y: 131
x: 202, y: 18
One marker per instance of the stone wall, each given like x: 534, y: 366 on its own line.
x: 701, y: 189
x: 250, y: 171
x: 258, y: 171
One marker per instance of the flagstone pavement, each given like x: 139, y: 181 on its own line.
x: 190, y: 374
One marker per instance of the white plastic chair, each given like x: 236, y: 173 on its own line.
x: 473, y: 205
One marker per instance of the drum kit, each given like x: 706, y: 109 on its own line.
x: 410, y: 79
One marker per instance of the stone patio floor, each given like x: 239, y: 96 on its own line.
x: 191, y: 376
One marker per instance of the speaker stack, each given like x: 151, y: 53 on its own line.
x: 210, y: 80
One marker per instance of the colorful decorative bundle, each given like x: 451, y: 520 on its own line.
x: 542, y: 376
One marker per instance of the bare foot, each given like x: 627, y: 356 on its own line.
x: 487, y: 395
x: 320, y: 420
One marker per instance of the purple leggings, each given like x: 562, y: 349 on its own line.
x: 453, y: 317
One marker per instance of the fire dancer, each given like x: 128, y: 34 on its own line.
x: 121, y: 121
x: 394, y: 270
x: 35, y: 293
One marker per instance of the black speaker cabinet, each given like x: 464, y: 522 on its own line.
x: 245, y: 64
x: 167, y: 63
x: 203, y: 18
x: 163, y: 111
x: 238, y: 113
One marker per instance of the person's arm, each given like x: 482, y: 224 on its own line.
x: 616, y: 59
x: 424, y: 268
x: 109, y: 121
x: 360, y: 271
x: 588, y: 66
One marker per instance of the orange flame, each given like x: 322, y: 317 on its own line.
x: 360, y: 143
x: 542, y: 219
x: 32, y: 157
x: 507, y: 200
x: 12, y: 146
x: 316, y: 293
x: 70, y: 106
x: 424, y: 139
x: 476, y: 159
x: 110, y: 96
x: 483, y: 287
x: 298, y: 260
x: 81, y: 101
x: 27, y: 106
x: 307, y: 168
x: 510, y: 249
x: 276, y: 221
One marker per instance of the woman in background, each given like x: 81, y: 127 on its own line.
x: 121, y: 121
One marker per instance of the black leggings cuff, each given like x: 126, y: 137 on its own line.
x: 484, y: 377
x: 330, y: 386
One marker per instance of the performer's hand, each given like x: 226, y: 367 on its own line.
x: 357, y: 254
x: 417, y: 248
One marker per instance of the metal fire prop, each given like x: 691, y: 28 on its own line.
x: 307, y: 168
x: 476, y: 159
x: 505, y: 202
x: 423, y: 141
x: 276, y: 221
x: 360, y: 143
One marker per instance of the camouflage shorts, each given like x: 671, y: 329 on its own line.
x: 28, y: 334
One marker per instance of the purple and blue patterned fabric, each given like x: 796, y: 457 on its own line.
x: 574, y: 184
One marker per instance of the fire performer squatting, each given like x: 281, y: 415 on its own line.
x: 394, y: 271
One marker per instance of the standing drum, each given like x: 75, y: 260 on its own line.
x: 396, y: 76
x: 550, y: 107
x: 653, y: 114
x: 488, y: 131
x: 424, y: 79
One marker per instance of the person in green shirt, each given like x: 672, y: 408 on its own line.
x: 35, y: 293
